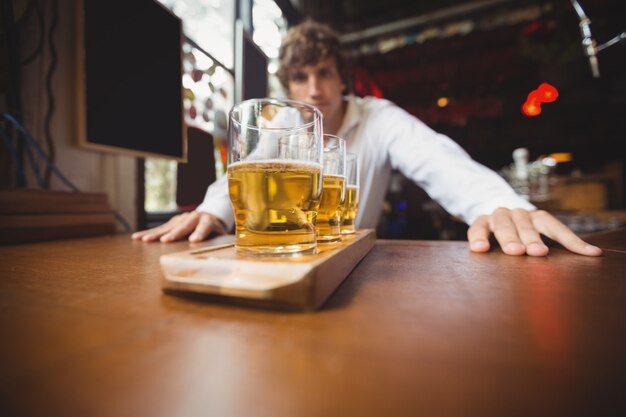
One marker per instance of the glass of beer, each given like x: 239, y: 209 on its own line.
x: 275, y: 175
x: 351, y: 202
x: 333, y: 190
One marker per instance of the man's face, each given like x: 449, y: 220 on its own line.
x: 319, y: 85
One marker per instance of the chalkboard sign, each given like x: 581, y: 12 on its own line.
x: 130, y: 97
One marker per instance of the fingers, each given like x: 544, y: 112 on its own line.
x: 478, y: 235
x: 207, y: 224
x: 528, y: 234
x: 505, y: 230
x: 513, y: 230
x: 155, y: 233
x: 138, y: 235
x: 182, y: 227
x: 550, y: 226
x: 196, y: 225
x: 519, y: 232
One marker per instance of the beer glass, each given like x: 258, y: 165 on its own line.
x: 275, y: 175
x: 351, y: 202
x: 333, y: 190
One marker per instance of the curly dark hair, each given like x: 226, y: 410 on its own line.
x: 308, y: 43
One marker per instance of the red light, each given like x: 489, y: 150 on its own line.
x: 545, y: 93
x: 531, y: 108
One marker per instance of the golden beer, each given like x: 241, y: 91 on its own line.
x: 329, y: 213
x: 349, y: 210
x: 275, y: 204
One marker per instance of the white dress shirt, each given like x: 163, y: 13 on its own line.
x: 385, y: 137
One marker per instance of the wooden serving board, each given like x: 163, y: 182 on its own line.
x: 299, y: 282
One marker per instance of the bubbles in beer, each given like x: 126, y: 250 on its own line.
x: 274, y: 198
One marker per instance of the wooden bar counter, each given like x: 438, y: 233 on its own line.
x: 418, y: 328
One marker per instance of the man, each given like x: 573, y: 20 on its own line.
x: 385, y: 137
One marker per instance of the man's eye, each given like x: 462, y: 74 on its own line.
x: 324, y: 73
x: 298, y: 78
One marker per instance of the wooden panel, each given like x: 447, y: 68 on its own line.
x: 37, y: 215
x: 22, y: 201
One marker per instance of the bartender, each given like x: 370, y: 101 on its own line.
x: 385, y: 137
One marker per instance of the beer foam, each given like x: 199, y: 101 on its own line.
x: 335, y: 176
x: 277, y: 163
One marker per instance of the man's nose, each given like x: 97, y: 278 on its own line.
x: 313, y: 83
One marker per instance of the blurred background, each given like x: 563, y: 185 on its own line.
x: 464, y: 67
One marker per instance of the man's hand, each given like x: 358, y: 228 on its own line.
x: 519, y: 232
x: 197, y: 225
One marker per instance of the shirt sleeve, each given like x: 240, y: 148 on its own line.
x: 462, y: 186
x: 217, y: 202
